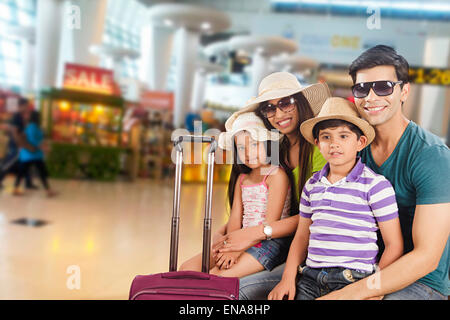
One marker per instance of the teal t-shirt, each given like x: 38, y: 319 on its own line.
x: 419, y: 171
x: 34, y: 137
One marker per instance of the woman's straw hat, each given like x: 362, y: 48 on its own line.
x: 283, y: 84
x: 249, y: 122
x: 337, y: 108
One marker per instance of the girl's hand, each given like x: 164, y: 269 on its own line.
x: 282, y: 289
x: 238, y: 240
x: 226, y: 260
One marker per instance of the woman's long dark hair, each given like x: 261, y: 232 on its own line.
x: 238, y: 167
x: 305, y: 148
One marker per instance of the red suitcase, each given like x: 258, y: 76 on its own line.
x: 187, y: 285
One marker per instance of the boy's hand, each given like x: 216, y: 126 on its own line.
x: 282, y: 289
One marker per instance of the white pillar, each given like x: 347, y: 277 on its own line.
x: 187, y: 43
x: 156, y: 49
x: 28, y: 56
x: 437, y: 52
x: 49, y: 18
x: 198, y: 94
x: 93, y: 14
x: 260, y: 69
x: 114, y: 63
x: 83, y: 26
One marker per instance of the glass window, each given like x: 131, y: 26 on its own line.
x: 122, y: 30
x: 10, y: 49
x: 4, y: 11
x: 13, y: 13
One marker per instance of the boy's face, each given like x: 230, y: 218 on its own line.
x: 380, y: 109
x: 339, y: 145
x: 250, y: 152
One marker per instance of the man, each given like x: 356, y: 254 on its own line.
x: 417, y: 164
x: 15, y: 130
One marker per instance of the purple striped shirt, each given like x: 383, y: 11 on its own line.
x: 345, y: 217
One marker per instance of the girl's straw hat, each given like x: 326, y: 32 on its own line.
x: 283, y: 84
x: 337, y: 108
x: 249, y: 122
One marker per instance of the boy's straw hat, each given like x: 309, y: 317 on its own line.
x: 283, y: 84
x: 250, y: 122
x: 337, y: 108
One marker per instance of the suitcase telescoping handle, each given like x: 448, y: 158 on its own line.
x: 174, y: 236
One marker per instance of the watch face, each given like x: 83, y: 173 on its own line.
x: 268, y: 231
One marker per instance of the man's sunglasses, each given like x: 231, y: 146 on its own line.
x: 381, y: 88
x: 269, y: 110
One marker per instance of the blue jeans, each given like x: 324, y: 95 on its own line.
x: 257, y: 286
x: 316, y: 282
x: 416, y: 291
x: 271, y: 253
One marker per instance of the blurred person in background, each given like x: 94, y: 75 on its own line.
x: 10, y: 163
x: 33, y: 157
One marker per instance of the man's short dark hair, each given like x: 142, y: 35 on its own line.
x: 380, y: 55
x: 334, y: 123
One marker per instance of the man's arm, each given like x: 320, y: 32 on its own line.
x: 430, y: 233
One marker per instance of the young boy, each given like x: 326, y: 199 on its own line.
x: 341, y: 208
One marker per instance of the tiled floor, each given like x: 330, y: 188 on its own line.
x: 109, y: 232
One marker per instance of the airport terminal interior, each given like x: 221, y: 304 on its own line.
x: 113, y: 81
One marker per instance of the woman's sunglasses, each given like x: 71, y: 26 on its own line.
x: 381, y: 88
x: 269, y: 110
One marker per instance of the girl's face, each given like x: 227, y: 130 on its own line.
x: 250, y: 152
x: 285, y: 122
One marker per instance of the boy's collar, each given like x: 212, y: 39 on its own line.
x: 356, y: 171
x: 352, y: 176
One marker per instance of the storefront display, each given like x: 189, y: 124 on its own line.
x: 85, y: 133
x: 8, y: 105
x: 156, y: 111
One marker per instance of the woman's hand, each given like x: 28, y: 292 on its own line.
x: 282, y: 289
x: 239, y: 240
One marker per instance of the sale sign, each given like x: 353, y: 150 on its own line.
x: 87, y: 78
x: 157, y: 100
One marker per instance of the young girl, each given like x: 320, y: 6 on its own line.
x: 282, y: 104
x: 259, y: 193
x: 34, y: 136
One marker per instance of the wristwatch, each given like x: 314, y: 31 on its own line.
x: 267, y: 231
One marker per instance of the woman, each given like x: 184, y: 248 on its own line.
x: 283, y: 104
